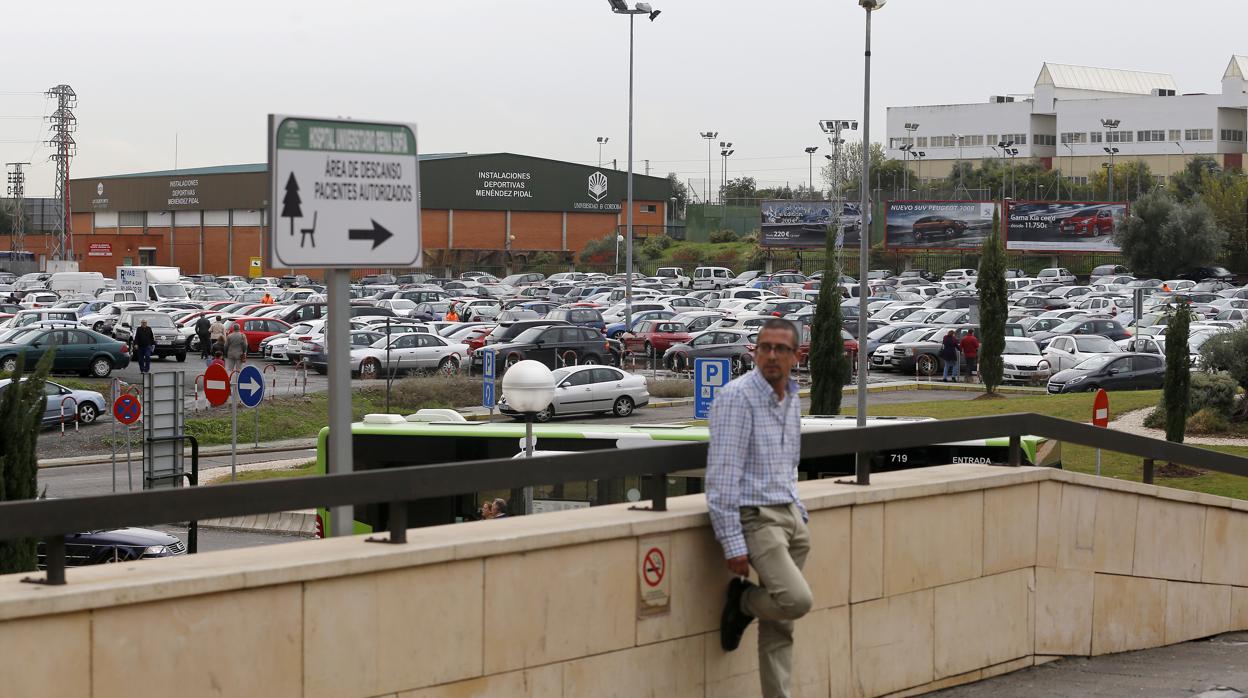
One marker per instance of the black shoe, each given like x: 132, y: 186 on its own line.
x: 734, y: 621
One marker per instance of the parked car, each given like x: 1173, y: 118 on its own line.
x: 1022, y: 361
x: 655, y: 336
x: 555, y: 346
x: 737, y: 345
x: 1083, y: 326
x: 1111, y: 372
x: 1059, y: 275
x: 77, y: 350
x: 169, y: 339
x: 929, y: 227
x: 1093, y: 223
x: 591, y: 389
x: 257, y: 329
x: 411, y: 352
x: 711, y: 277
x: 1067, y: 351
x: 114, y: 545
x: 66, y: 404
x: 317, y: 358
x: 1202, y: 273
x: 583, y: 317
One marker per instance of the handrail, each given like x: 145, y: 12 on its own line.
x: 54, y: 518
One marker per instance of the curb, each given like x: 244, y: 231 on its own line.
x: 294, y: 523
x: 216, y: 450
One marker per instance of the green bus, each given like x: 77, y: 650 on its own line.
x: 430, y: 437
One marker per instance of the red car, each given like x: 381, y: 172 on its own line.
x: 654, y: 334
x: 257, y: 329
x: 476, y: 339
x: 1093, y: 224
x: 803, y: 350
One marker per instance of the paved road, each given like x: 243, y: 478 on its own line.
x: 1191, y: 668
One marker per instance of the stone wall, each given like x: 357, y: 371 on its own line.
x: 928, y: 578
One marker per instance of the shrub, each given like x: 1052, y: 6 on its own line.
x: 1156, y: 419
x: 668, y: 388
x: 727, y: 258
x: 543, y: 259
x: 653, y: 247
x: 687, y: 256
x: 600, y: 251
x: 1208, y: 421
x: 1214, y: 391
x: 720, y: 236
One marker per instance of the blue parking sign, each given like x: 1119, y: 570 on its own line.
x: 709, y: 375
x: 487, y: 385
x: 487, y: 364
x: 487, y: 393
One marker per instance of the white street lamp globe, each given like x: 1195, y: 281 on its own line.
x: 619, y: 238
x: 529, y: 386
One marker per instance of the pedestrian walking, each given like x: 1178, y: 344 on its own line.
x: 203, y: 330
x: 949, y: 356
x: 970, y: 352
x: 758, y: 518
x: 216, y: 332
x: 235, y: 349
x: 144, y: 342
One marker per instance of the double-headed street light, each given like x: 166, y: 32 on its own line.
x: 1111, y: 152
x: 620, y: 7
x: 602, y: 140
x: 810, y: 167
x: 725, y: 150
x: 710, y: 137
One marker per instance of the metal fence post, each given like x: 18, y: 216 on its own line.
x: 1148, y: 471
x: 1016, y: 450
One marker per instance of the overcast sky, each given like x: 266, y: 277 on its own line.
x: 547, y: 78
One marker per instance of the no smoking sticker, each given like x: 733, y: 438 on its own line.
x: 653, y: 575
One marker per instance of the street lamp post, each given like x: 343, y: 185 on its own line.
x: 810, y: 167
x: 725, y: 151
x: 862, y: 460
x: 620, y: 7
x: 1170, y: 170
x: 1110, y: 174
x: 961, y: 185
x: 1111, y: 126
x: 1071, y: 174
x: 710, y: 136
x: 528, y: 388
x: 911, y: 127
x: 918, y: 156
x: 602, y: 140
x: 618, y: 239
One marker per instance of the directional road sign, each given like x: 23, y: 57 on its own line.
x: 709, y: 375
x: 127, y: 409
x: 216, y: 385
x: 343, y: 193
x: 250, y: 386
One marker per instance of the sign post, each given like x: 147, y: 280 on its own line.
x: 1100, y: 418
x: 350, y: 194
x: 709, y: 375
x: 250, y: 389
x: 126, y: 410
x: 488, y: 399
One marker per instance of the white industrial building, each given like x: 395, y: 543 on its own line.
x: 1072, y: 115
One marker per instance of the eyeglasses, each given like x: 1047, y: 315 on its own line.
x: 777, y: 349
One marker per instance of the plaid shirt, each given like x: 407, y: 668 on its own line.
x: 754, y: 450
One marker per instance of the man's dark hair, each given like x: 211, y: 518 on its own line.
x: 781, y: 324
x: 500, y: 506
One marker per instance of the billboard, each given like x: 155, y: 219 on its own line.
x: 925, y: 225
x: 1063, y: 226
x: 788, y: 223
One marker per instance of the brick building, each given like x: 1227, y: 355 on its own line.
x: 492, y: 211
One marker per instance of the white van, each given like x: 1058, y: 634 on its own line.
x: 117, y: 296
x: 70, y: 282
x: 711, y: 277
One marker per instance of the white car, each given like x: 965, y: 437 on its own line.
x: 415, y: 351
x: 1059, y: 275
x: 959, y: 275
x: 673, y: 276
x: 1068, y: 351
x: 1023, y: 362
x: 39, y: 299
x: 711, y: 277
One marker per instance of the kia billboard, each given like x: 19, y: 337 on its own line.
x: 925, y: 225
x: 1063, y: 226
x: 788, y: 223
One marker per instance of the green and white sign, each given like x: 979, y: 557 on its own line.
x: 343, y: 193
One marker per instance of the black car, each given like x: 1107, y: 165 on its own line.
x: 924, y: 357
x: 556, y: 346
x: 1106, y: 328
x: 1111, y: 372
x: 1203, y: 273
x: 115, y: 545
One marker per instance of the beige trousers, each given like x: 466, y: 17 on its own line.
x: 778, y: 541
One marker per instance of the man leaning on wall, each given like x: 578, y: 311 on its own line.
x: 751, y: 491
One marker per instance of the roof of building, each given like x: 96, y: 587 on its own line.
x: 1238, y: 68
x: 247, y: 168
x: 1079, y: 77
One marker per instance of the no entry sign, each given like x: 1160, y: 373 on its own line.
x: 1100, y: 409
x: 216, y: 385
x: 127, y: 409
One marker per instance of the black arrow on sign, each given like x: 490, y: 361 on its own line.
x: 378, y: 234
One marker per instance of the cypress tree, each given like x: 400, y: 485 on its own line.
x: 21, y: 412
x: 992, y: 307
x: 829, y: 364
x: 1178, y: 373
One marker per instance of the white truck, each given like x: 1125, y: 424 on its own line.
x: 152, y: 284
x: 68, y: 283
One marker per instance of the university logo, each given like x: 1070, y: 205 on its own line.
x: 99, y: 189
x: 597, y: 186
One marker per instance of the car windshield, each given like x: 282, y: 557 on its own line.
x: 1067, y: 327
x: 529, y: 335
x: 163, y: 321
x: 1095, y: 344
x: 1019, y: 346
x: 913, y: 335
x: 1196, y: 342
x: 170, y: 290
x: 1094, y: 363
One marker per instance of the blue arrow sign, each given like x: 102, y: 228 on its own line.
x: 487, y: 393
x: 250, y: 386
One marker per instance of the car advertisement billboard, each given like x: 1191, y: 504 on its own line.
x: 923, y: 225
x: 1063, y: 226
x: 788, y: 223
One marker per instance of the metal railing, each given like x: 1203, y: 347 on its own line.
x: 53, y: 519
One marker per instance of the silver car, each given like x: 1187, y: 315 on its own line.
x: 67, y: 405
x: 415, y: 351
x: 582, y: 389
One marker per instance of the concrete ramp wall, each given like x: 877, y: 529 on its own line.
x: 928, y: 578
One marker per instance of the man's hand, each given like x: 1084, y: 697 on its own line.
x: 739, y: 565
